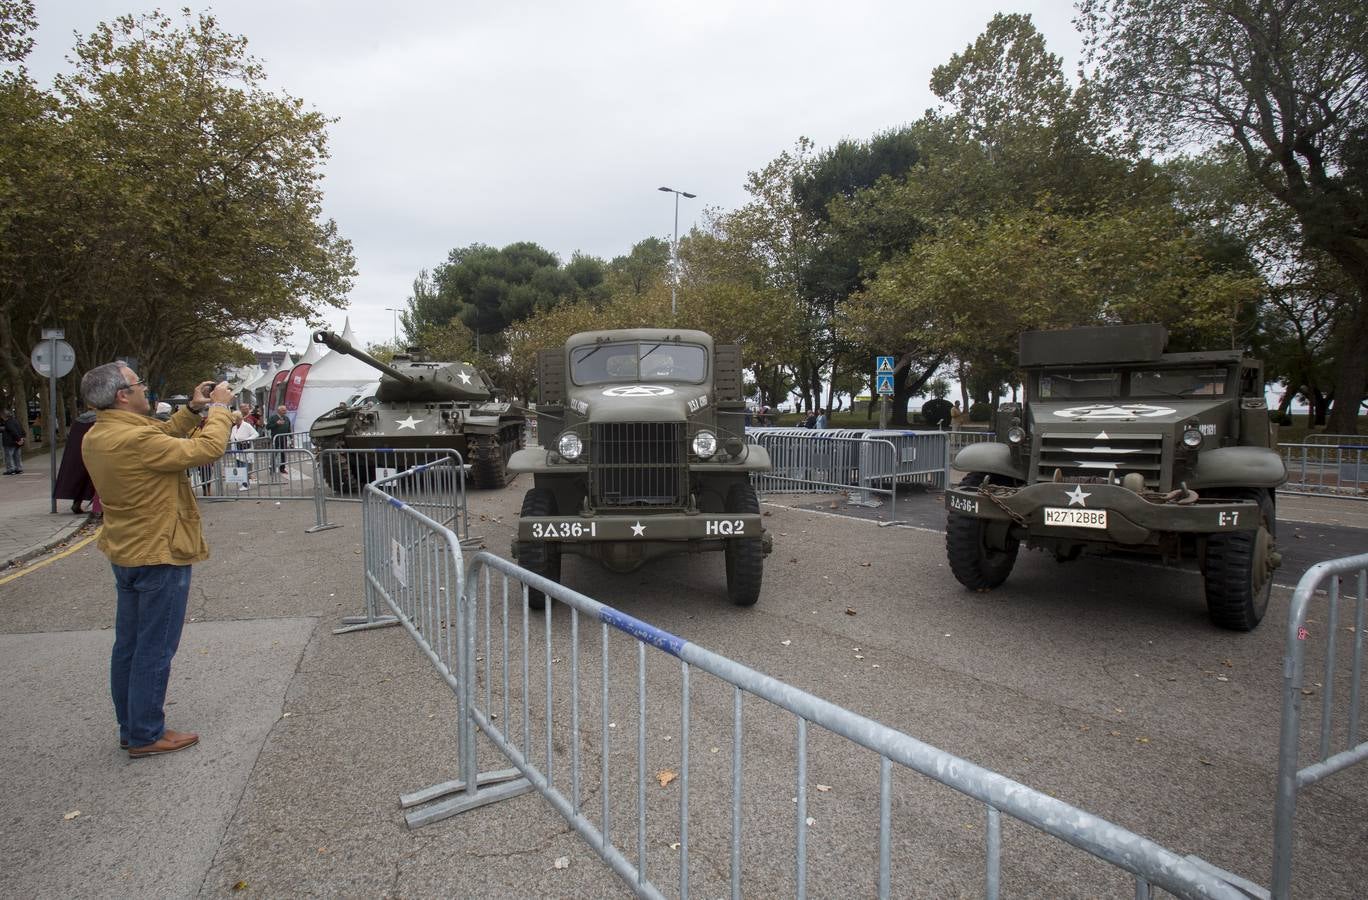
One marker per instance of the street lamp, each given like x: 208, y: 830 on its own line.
x: 396, y: 326
x: 674, y: 252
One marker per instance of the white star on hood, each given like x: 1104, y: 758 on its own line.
x: 638, y: 529
x: 410, y: 422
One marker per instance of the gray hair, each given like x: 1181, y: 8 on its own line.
x: 101, y: 385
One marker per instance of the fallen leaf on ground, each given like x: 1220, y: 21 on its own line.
x: 675, y: 845
x: 240, y: 886
x: 786, y: 643
x: 823, y: 788
x: 665, y: 776
x: 850, y: 610
x: 562, y: 862
x: 71, y: 815
x: 810, y: 821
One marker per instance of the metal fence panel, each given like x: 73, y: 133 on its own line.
x: 1339, y: 726
x: 438, y: 491
x: 1337, y: 469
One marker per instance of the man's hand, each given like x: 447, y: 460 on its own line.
x: 221, y: 393
x: 200, y: 397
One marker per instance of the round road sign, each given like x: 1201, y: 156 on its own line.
x: 42, y: 358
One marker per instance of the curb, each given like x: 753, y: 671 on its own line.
x: 58, y: 540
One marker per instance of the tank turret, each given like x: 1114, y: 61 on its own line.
x: 418, y: 381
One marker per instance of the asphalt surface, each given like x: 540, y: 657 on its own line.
x: 1100, y: 684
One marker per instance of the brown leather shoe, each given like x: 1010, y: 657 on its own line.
x: 169, y: 742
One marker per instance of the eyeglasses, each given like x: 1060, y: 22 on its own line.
x: 131, y: 386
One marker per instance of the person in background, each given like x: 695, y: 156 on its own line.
x: 811, y: 420
x: 956, y: 417
x: 242, y: 436
x: 12, y: 437
x: 821, y: 422
x: 73, y: 481
x: 151, y: 536
x: 277, y: 427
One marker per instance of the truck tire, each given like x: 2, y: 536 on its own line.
x: 745, y: 556
x: 1238, y: 575
x: 542, y: 557
x: 974, y: 564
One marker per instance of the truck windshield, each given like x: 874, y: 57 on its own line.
x: 1178, y: 383
x: 638, y: 361
x: 1079, y: 385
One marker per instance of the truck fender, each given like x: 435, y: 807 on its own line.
x: 993, y: 458
x: 1238, y: 467
x: 528, y: 459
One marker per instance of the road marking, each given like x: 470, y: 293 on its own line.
x: 53, y: 558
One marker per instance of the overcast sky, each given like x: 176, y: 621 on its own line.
x: 516, y: 120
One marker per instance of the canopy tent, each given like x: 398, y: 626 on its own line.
x: 255, y: 390
x: 244, y: 377
x: 335, y: 378
x: 294, y: 384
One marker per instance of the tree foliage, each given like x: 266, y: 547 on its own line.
x: 172, y: 203
x: 1287, y: 83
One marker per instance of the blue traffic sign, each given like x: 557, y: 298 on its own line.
x: 883, y: 384
x: 884, y: 366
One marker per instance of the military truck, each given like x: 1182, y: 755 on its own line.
x: 643, y: 454
x: 419, y: 405
x: 1120, y: 447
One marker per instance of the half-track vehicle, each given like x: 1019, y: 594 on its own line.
x: 643, y: 454
x: 419, y: 405
x: 1120, y: 447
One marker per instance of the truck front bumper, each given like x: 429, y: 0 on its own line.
x: 676, y: 527
x: 1100, y: 512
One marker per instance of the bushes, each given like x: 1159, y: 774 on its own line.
x: 980, y: 412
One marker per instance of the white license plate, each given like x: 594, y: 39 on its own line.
x: 1075, y: 518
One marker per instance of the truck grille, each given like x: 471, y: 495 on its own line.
x: 1093, y: 456
x: 638, y: 464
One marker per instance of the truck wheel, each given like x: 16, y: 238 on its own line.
x: 745, y: 556
x: 974, y: 564
x: 542, y: 557
x: 1238, y: 575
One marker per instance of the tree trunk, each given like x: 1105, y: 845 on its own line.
x: 1351, y: 372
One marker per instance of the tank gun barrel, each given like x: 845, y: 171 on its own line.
x: 343, y: 346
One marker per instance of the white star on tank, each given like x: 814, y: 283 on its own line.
x: 465, y: 377
x: 638, y: 529
x: 410, y: 422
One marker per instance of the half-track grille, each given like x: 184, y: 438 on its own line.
x: 1084, y: 456
x: 638, y: 464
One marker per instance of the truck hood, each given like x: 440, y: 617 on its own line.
x: 1085, y: 415
x: 646, y: 402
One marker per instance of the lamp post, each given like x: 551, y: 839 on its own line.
x: 674, y: 250
x: 396, y: 326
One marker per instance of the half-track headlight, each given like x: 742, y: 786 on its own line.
x: 1016, y: 434
x: 704, y: 444
x: 1192, y: 437
x: 570, y: 446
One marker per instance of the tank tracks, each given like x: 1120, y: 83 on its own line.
x: 489, y: 459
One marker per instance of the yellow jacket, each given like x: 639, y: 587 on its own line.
x: 138, y: 465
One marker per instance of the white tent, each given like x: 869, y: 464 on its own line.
x: 244, y: 376
x: 255, y: 390
x: 334, y: 379
x: 297, y: 377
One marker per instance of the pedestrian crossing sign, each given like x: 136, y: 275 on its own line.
x: 885, y: 366
x: 883, y: 385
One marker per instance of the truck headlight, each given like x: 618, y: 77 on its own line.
x: 570, y: 445
x: 704, y: 444
x: 1016, y: 434
x: 1192, y: 438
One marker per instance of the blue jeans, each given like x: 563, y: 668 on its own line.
x: 14, y: 459
x: 147, y: 631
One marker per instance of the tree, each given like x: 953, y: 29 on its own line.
x: 172, y: 189
x: 638, y: 271
x: 1287, y: 82
x: 489, y: 289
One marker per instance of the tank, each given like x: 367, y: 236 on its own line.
x: 420, y: 405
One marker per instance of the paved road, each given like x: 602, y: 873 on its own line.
x: 1110, y: 693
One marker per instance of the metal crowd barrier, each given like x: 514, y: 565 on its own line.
x: 1332, y: 439
x: 517, y: 681
x: 961, y: 439
x: 919, y: 457
x: 261, y: 474
x: 805, y: 461
x: 438, y: 491
x: 389, y: 538
x: 1337, y: 469
x: 515, y: 703
x: 1342, y: 731
x: 297, y: 439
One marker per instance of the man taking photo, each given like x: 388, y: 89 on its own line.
x: 151, y: 535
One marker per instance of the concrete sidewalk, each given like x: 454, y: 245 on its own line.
x: 28, y: 527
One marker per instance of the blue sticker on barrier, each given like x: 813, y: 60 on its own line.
x: 397, y: 503
x: 638, y: 629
